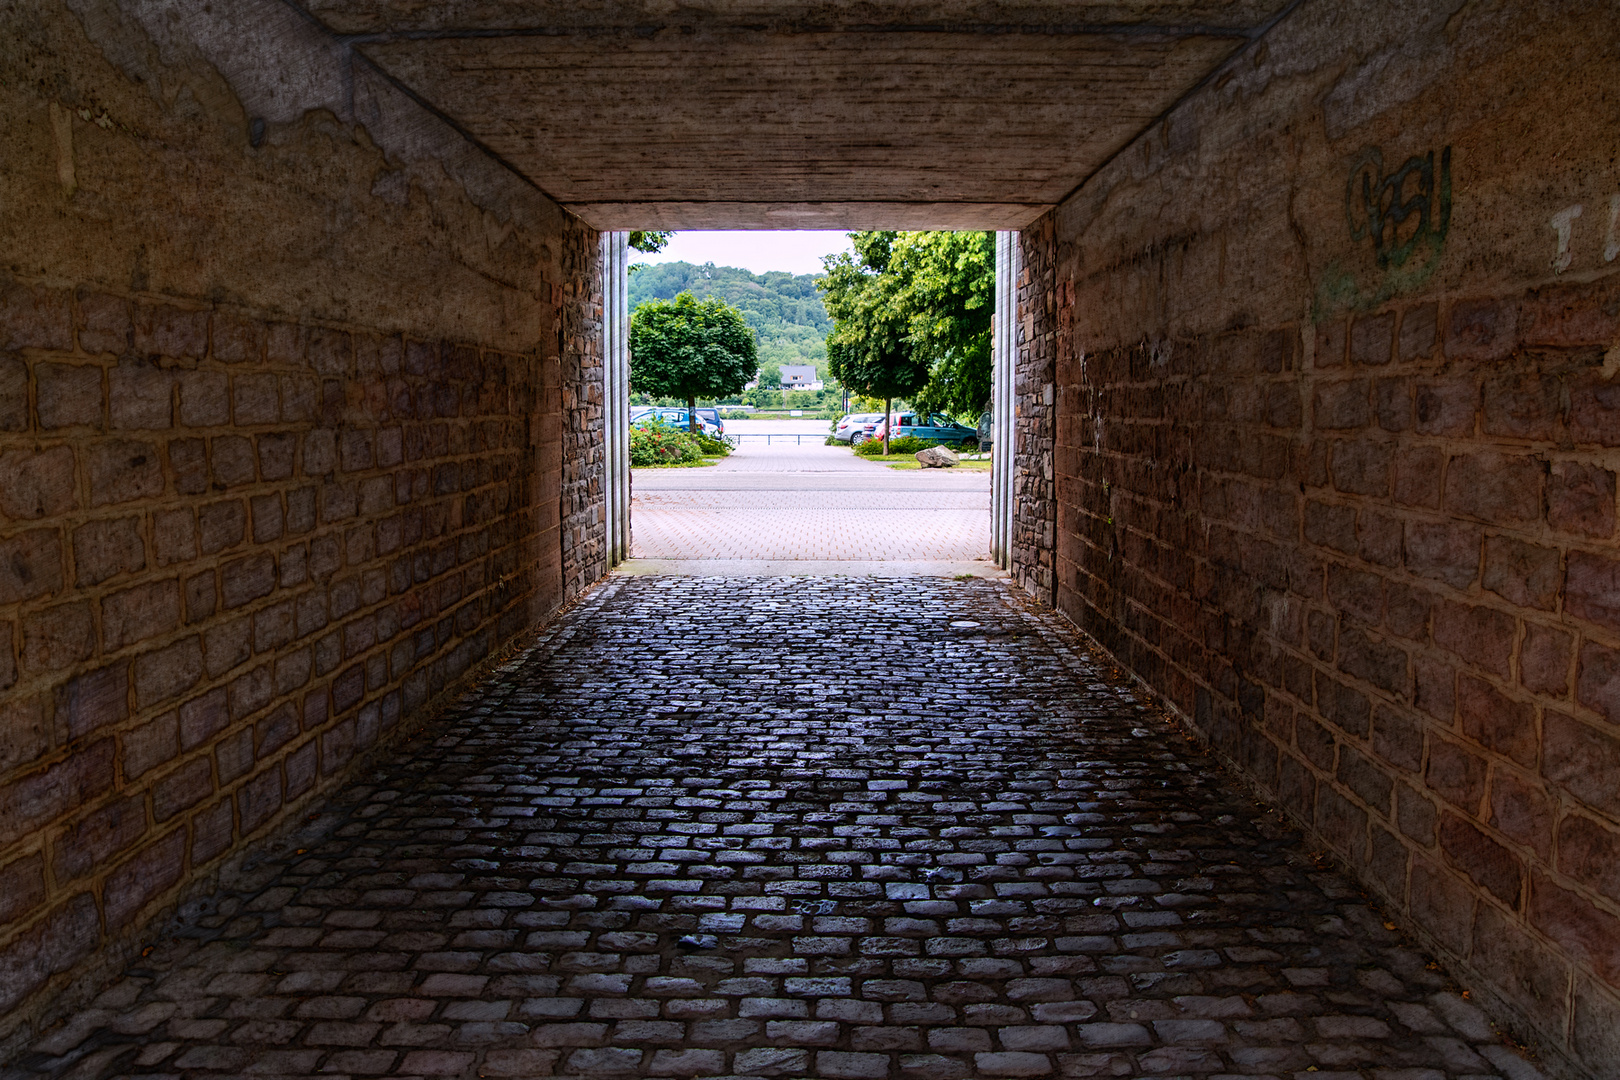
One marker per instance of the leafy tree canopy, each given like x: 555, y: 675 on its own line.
x: 690, y: 348
x: 784, y: 310
x: 910, y: 301
x: 870, y: 349
x: 649, y: 242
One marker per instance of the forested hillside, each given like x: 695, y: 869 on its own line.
x: 783, y: 309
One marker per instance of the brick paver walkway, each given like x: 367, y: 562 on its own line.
x: 809, y: 502
x: 698, y: 831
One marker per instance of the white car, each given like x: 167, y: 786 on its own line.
x: 856, y: 428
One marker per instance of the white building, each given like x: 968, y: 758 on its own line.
x: 800, y: 377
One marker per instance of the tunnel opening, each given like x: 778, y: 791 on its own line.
x: 303, y: 368
x: 793, y: 493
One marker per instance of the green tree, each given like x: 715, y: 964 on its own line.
x: 947, y: 297
x: 689, y: 348
x: 649, y: 242
x: 784, y: 310
x: 870, y: 348
x: 933, y: 292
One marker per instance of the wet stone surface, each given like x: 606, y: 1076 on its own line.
x: 702, y: 829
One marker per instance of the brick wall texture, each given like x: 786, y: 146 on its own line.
x: 1352, y: 512
x: 1034, y: 413
x: 256, y: 512
x: 583, y: 494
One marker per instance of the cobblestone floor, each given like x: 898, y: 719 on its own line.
x: 699, y: 830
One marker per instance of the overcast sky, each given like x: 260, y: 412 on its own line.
x: 795, y: 252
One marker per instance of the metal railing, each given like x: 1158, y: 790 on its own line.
x: 768, y: 436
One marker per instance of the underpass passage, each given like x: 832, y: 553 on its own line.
x: 696, y: 831
x: 788, y: 501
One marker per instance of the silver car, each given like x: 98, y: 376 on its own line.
x: 856, y: 428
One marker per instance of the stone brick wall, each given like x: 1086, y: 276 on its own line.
x: 584, y: 495
x: 1034, y: 401
x: 1339, y: 481
x: 281, y: 457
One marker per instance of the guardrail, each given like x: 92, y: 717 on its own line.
x: 768, y: 436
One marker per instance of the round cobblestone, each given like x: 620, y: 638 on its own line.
x: 789, y: 827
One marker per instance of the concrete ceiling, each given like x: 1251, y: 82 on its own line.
x: 761, y: 114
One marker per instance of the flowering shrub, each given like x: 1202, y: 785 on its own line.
x: 657, y: 443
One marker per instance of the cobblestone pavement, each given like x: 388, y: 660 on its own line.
x: 811, y: 502
x: 694, y: 831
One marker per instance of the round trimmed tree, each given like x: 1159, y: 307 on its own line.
x: 688, y: 349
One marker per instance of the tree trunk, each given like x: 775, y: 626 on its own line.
x: 691, y: 415
x: 888, y: 403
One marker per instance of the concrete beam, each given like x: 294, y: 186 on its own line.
x: 742, y: 128
x: 405, y: 17
x: 689, y: 214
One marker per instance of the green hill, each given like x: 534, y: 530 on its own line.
x: 783, y: 309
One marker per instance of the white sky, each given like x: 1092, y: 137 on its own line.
x: 795, y: 252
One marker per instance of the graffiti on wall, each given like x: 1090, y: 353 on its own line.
x: 1563, y: 227
x: 1401, y: 212
x: 1399, y: 217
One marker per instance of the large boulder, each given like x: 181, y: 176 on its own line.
x: 937, y: 457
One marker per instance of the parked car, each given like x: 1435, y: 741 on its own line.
x: 712, y: 415
x: 706, y: 415
x: 856, y: 427
x: 677, y: 418
x: 935, y: 427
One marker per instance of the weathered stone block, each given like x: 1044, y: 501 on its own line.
x: 1597, y: 681
x: 99, y: 837
x: 140, y: 397
x: 35, y: 317
x: 168, y: 672
x: 1501, y: 489
x: 1592, y: 589
x: 68, y: 395
x: 1456, y: 775
x: 123, y: 470
x: 1591, y: 935
x: 1481, y: 329
x: 105, y: 325
x: 144, y: 878
x: 1583, y: 760
x: 14, y: 413
x: 205, y: 399
x: 1487, y: 863
x: 38, y: 483
x: 1544, y: 660
x: 1580, y: 499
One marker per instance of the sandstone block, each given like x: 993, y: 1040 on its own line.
x: 140, y: 397
x: 35, y: 317
x: 164, y: 330
x: 13, y: 394
x: 123, y: 470
x: 68, y: 395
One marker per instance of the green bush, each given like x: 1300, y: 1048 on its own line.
x: 712, y: 447
x: 736, y: 414
x: 657, y: 443
x: 905, y: 444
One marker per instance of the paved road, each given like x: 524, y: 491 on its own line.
x: 783, y: 503
x: 693, y: 833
